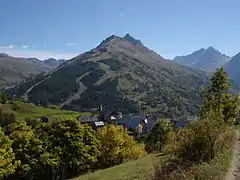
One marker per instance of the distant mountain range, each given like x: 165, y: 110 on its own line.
x: 205, y: 59
x: 14, y: 70
x: 53, y: 63
x: 119, y: 73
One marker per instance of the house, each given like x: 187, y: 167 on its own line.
x: 109, y: 116
x: 139, y: 124
x: 192, y: 118
x: 92, y: 121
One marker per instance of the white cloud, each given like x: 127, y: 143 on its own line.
x: 24, y: 46
x: 71, y: 44
x: 121, y: 15
x: 10, y: 46
x: 16, y: 52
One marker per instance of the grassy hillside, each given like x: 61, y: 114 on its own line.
x: 141, y: 169
x: 24, y: 110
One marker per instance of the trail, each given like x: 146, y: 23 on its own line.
x: 234, y: 170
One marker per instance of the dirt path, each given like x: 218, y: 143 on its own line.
x: 234, y: 170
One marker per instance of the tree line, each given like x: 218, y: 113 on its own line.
x: 60, y: 149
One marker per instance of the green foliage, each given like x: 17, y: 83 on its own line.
x: 3, y: 98
x: 6, y: 156
x: 159, y: 136
x: 215, y: 168
x: 7, y: 117
x: 116, y: 146
x: 26, y: 148
x: 75, y: 144
x: 231, y: 108
x: 195, y: 143
x: 60, y: 149
x: 214, y: 93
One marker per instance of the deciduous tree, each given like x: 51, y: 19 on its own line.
x: 159, y: 136
x: 116, y: 146
x: 6, y: 156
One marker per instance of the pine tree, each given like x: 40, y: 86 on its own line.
x: 216, y: 100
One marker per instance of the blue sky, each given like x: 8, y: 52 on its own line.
x: 64, y: 28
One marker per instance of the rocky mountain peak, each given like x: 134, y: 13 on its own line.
x: 132, y: 40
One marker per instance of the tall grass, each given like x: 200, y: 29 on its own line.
x: 200, y: 151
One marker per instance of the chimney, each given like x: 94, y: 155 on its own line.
x: 101, y: 108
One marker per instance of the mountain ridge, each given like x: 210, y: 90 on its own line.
x: 13, y: 70
x: 232, y: 68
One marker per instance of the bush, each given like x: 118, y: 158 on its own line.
x: 3, y: 98
x: 176, y: 168
x: 117, y: 146
x: 7, y: 117
x: 159, y: 136
x: 195, y: 143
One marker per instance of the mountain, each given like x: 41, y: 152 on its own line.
x: 53, y: 63
x: 205, y: 59
x: 13, y: 70
x: 119, y: 73
x: 232, y: 68
x: 132, y: 40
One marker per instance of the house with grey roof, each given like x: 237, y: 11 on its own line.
x: 140, y: 124
x: 92, y: 121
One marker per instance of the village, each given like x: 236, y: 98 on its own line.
x: 139, y: 124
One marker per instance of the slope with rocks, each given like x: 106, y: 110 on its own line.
x: 13, y: 70
x: 205, y: 59
x: 120, y: 73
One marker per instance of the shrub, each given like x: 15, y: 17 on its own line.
x: 195, y: 143
x: 176, y: 168
x: 7, y: 117
x: 159, y: 136
x: 116, y: 146
x: 3, y: 98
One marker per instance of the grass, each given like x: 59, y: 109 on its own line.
x: 215, y: 169
x: 141, y: 169
x: 25, y: 110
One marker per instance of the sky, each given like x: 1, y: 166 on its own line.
x: 66, y: 28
